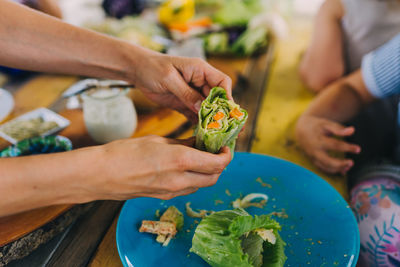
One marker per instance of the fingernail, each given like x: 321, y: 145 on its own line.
x: 358, y: 150
x: 350, y: 164
x: 197, y: 106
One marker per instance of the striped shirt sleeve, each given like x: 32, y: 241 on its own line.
x: 381, y: 69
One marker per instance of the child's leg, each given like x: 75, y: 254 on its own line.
x: 376, y: 204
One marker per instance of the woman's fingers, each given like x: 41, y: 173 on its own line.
x: 333, y: 144
x: 188, y: 96
x: 202, y: 75
x: 215, y: 77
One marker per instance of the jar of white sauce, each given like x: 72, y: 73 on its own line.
x: 109, y: 114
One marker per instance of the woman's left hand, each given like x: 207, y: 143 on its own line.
x: 178, y: 82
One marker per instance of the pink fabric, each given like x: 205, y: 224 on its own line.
x: 376, y: 204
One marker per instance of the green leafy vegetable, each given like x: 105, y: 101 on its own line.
x: 235, y: 238
x: 217, y: 43
x: 237, y: 12
x: 251, y: 41
x: 253, y: 246
x: 220, y: 121
x: 274, y: 255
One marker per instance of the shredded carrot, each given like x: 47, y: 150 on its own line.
x: 186, y: 26
x: 213, y: 125
x: 236, y: 113
x: 218, y: 116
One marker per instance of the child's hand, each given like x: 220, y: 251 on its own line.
x: 317, y: 137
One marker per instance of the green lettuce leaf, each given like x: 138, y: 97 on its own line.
x: 228, y: 238
x: 252, y: 245
x: 217, y: 42
x: 237, y: 12
x: 251, y: 41
x: 212, y: 140
x: 274, y: 255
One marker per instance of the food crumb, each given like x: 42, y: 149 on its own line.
x: 309, y: 253
x: 188, y: 230
x: 319, y: 242
x: 280, y: 214
x: 196, y: 221
x: 345, y: 255
x: 218, y: 201
x: 228, y: 192
x: 157, y: 213
x: 262, y: 183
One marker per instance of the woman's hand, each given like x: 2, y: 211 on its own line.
x: 178, y: 82
x: 318, y: 137
x: 154, y: 167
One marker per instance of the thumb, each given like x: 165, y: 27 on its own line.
x: 189, y: 96
x: 338, y: 129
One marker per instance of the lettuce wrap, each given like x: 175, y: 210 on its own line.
x: 235, y: 238
x: 220, y: 121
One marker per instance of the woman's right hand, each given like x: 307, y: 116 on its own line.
x: 153, y: 166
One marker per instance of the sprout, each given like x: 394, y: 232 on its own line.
x: 246, y: 201
x: 194, y: 214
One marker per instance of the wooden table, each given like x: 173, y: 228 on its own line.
x: 85, y: 241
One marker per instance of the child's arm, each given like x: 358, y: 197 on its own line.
x: 323, y: 61
x: 318, y: 128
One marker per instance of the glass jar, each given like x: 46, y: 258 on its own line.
x: 109, y: 114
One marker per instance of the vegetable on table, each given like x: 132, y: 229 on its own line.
x: 122, y: 8
x: 235, y: 238
x: 216, y: 43
x: 237, y: 12
x: 220, y: 121
x: 251, y: 41
x: 176, y: 11
x: 191, y: 24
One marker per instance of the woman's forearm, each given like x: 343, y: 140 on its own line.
x: 42, y: 180
x: 29, y: 38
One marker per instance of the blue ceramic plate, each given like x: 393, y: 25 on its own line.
x: 320, y: 229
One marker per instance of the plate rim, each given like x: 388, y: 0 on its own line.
x: 353, y: 263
